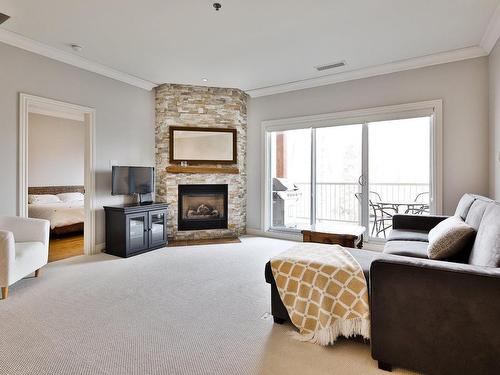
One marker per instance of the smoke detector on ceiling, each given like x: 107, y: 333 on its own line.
x: 334, y: 65
x: 3, y: 18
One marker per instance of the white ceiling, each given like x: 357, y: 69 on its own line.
x: 249, y: 44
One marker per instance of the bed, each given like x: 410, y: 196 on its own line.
x: 66, y: 217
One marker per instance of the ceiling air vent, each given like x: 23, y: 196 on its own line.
x: 3, y: 18
x: 339, y: 64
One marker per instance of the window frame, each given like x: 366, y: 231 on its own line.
x: 432, y: 108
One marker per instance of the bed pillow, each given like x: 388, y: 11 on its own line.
x: 43, y: 198
x: 449, y: 238
x: 71, y: 197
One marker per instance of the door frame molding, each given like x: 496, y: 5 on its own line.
x: 433, y: 108
x: 29, y: 103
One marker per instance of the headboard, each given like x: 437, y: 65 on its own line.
x: 55, y: 189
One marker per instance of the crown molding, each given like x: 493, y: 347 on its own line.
x: 19, y: 41
x: 398, y: 66
x: 492, y: 32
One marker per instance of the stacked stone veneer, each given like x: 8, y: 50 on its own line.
x: 184, y: 105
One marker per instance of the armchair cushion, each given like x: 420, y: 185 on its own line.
x: 30, y: 256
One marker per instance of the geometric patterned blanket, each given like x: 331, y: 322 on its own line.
x: 324, y: 291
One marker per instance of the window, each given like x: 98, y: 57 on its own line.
x: 340, y: 170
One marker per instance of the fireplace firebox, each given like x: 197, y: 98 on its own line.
x: 202, y: 207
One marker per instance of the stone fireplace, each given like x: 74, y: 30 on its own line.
x: 197, y: 106
x: 202, y: 207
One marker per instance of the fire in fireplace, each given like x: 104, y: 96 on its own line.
x: 202, y: 207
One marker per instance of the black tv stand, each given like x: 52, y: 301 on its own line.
x: 135, y: 228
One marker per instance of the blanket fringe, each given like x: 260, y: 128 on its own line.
x: 340, y: 327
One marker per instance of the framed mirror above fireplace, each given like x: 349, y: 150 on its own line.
x: 202, y: 145
x: 202, y: 207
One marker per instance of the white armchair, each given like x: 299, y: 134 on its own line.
x: 24, y: 248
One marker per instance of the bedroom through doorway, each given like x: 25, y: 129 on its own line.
x: 56, y: 173
x: 56, y: 143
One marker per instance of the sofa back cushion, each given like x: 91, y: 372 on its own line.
x: 464, y: 205
x: 486, y: 249
x: 476, y: 212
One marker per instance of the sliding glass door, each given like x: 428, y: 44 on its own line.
x: 338, y: 194
x: 359, y: 173
x: 399, y: 153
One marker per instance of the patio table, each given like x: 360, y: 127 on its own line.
x: 396, y: 206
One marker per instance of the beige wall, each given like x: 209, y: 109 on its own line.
x: 494, y: 69
x: 124, y: 120
x: 56, y: 151
x: 463, y: 87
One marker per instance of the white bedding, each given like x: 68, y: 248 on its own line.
x: 59, y: 214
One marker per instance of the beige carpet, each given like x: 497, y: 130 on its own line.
x: 182, y: 310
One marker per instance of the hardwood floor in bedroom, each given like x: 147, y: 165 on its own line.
x: 65, y: 247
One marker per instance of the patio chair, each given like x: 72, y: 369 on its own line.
x: 424, y: 208
x: 379, y: 215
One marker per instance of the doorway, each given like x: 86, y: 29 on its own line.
x: 65, y: 180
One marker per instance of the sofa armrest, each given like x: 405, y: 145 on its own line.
x: 416, y: 222
x: 27, y: 229
x: 435, y: 316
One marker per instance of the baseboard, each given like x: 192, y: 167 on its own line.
x: 100, y: 247
x: 274, y: 234
x: 208, y: 241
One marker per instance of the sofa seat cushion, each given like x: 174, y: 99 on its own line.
x: 416, y: 249
x: 486, y: 249
x: 449, y: 238
x: 408, y: 235
x: 363, y: 257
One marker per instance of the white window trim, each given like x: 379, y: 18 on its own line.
x: 433, y: 108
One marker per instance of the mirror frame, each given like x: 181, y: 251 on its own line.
x: 172, y: 129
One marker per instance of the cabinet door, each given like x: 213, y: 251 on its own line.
x: 157, y: 227
x: 137, y: 232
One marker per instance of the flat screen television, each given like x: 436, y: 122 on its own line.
x: 132, y: 180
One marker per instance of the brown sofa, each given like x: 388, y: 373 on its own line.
x: 437, y: 317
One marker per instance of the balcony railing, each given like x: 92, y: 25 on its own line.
x: 336, y: 201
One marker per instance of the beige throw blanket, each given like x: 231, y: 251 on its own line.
x: 324, y: 291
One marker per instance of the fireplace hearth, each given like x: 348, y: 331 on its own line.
x: 202, y: 207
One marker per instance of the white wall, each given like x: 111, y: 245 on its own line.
x: 463, y: 87
x: 56, y: 151
x: 124, y: 120
x: 494, y: 70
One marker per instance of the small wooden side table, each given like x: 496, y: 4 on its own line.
x: 336, y: 234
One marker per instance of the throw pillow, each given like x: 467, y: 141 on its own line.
x: 448, y: 238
